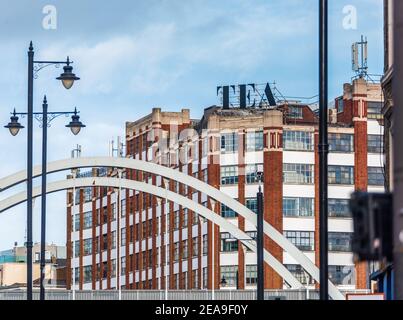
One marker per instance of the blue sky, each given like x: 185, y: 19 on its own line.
x: 136, y: 55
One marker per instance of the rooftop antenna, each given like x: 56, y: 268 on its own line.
x: 360, y: 57
x: 119, y: 150
x: 76, y: 153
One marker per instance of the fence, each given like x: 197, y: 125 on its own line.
x: 240, y: 295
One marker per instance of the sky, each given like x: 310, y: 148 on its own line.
x: 133, y: 56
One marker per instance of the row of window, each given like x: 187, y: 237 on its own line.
x: 339, y: 275
x: 296, y: 173
x: 305, y: 240
x: 299, y: 141
x: 101, y: 244
x: 100, y: 273
x: 304, y: 207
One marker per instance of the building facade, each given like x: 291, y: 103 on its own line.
x: 13, y: 267
x: 226, y: 148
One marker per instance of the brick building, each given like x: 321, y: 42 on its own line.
x: 225, y: 149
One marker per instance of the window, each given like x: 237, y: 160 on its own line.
x: 77, y: 222
x: 341, y: 175
x: 205, y: 277
x: 195, y: 218
x: 87, y: 274
x: 374, y: 110
x: 340, y: 241
x: 297, y: 141
x: 229, y: 175
x: 113, y: 273
x: 184, y: 281
x: 77, y: 248
x: 251, y: 275
x: 87, y: 194
x: 298, y: 207
x: 339, y: 208
x: 113, y: 210
x: 298, y: 173
x: 77, y: 274
x: 123, y: 237
x: 104, y: 270
x: 229, y: 142
x: 295, y: 112
x: 123, y: 208
x: 176, y: 220
x: 122, y: 265
x: 98, y: 272
x: 254, y: 141
x: 204, y: 176
x: 87, y: 220
x: 195, y: 246
x: 114, y: 240
x: 195, y: 282
x: 376, y: 176
x: 227, y: 212
x: 228, y: 243
x: 105, y: 215
x: 104, y: 242
x: 251, y: 204
x: 97, y: 245
x: 299, y: 273
x: 375, y: 144
x: 304, y: 241
x: 342, y: 275
x: 185, y: 249
x: 205, y: 149
x: 341, y: 142
x: 229, y: 273
x: 340, y: 105
x: 87, y: 247
x: 185, y: 218
x: 176, y: 251
x: 251, y: 173
x: 176, y: 281
x: 205, y: 244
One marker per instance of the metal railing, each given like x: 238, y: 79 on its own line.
x: 240, y: 295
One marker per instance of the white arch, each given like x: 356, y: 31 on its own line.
x: 212, y: 192
x: 161, y: 193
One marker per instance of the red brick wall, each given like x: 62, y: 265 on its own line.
x: 241, y: 199
x: 273, y: 200
x: 361, y: 184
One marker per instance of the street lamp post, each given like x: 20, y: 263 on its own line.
x: 213, y: 208
x: 44, y: 118
x: 260, y: 240
x: 67, y: 78
x: 166, y: 208
x: 323, y: 149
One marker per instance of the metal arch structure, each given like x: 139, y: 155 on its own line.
x: 127, y: 163
x: 161, y: 193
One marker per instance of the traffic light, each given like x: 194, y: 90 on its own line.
x: 373, y: 226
